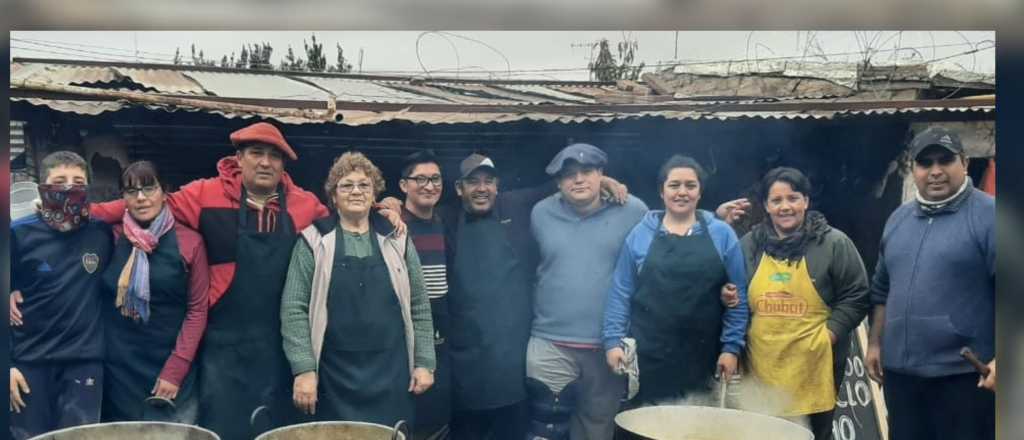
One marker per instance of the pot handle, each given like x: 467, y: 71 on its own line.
x: 160, y: 402
x: 256, y: 413
x: 402, y: 427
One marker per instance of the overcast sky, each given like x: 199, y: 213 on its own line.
x: 519, y: 54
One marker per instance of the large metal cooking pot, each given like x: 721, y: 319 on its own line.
x: 338, y: 431
x: 673, y: 422
x: 131, y: 431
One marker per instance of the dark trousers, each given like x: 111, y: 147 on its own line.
x: 504, y: 423
x: 938, y: 408
x: 61, y: 395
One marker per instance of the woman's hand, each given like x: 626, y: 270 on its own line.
x: 304, y: 392
x: 988, y: 381
x: 730, y: 295
x: 616, y: 358
x: 733, y: 210
x: 395, y: 217
x: 18, y: 385
x: 16, y: 299
x: 727, y: 365
x: 873, y: 359
x: 422, y: 380
x: 389, y: 203
x: 165, y: 389
x: 614, y: 191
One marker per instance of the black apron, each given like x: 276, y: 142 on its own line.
x: 676, y: 315
x: 242, y: 362
x: 137, y: 351
x: 491, y: 314
x: 363, y: 373
x: 434, y: 407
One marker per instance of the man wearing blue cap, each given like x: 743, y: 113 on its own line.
x: 573, y: 393
x: 934, y: 292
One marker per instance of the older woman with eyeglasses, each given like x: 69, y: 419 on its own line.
x: 156, y: 312
x: 355, y: 317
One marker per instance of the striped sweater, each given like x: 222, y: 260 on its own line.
x: 428, y: 238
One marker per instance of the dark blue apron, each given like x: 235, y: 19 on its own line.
x: 363, y: 373
x: 137, y: 351
x: 676, y: 315
x: 490, y: 317
x: 242, y: 362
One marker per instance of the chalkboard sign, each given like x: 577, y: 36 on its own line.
x: 860, y: 410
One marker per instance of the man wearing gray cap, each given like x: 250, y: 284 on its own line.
x: 933, y: 293
x: 490, y: 260
x: 573, y: 394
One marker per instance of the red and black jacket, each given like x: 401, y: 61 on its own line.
x: 211, y: 207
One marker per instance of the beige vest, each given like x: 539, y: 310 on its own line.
x: 392, y: 248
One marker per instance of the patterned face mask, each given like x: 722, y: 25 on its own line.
x: 64, y: 208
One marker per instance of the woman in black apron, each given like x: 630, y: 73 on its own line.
x: 156, y: 311
x: 667, y: 293
x: 243, y: 378
x: 358, y: 333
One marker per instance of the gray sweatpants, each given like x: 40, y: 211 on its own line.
x: 600, y: 389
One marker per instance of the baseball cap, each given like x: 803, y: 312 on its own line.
x: 940, y: 136
x: 585, y: 154
x: 472, y: 162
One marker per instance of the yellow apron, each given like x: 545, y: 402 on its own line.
x: 788, y: 346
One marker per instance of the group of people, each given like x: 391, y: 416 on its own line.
x: 241, y: 303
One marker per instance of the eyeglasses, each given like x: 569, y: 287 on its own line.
x: 147, y: 191
x: 347, y: 187
x: 423, y: 180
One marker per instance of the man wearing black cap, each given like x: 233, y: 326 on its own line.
x: 491, y: 258
x: 573, y: 393
x: 933, y: 293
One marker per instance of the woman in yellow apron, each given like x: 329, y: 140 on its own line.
x: 808, y: 291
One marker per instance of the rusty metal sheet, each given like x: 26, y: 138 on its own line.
x: 548, y: 92
x: 360, y: 90
x: 165, y: 81
x: 256, y: 85
x: 479, y: 91
x: 64, y: 74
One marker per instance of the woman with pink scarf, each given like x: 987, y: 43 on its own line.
x: 156, y: 307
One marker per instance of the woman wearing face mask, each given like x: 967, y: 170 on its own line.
x: 808, y: 290
x: 666, y: 292
x: 355, y: 318
x: 156, y: 307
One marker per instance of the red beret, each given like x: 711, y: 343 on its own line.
x: 265, y: 133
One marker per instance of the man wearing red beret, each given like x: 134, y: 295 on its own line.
x: 243, y: 374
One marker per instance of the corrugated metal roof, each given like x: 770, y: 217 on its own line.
x: 249, y: 85
x: 362, y: 100
x: 354, y: 90
x: 363, y: 117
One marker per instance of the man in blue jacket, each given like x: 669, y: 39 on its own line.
x: 933, y: 293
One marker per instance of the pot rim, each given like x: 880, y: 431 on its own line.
x: 45, y: 435
x: 331, y: 422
